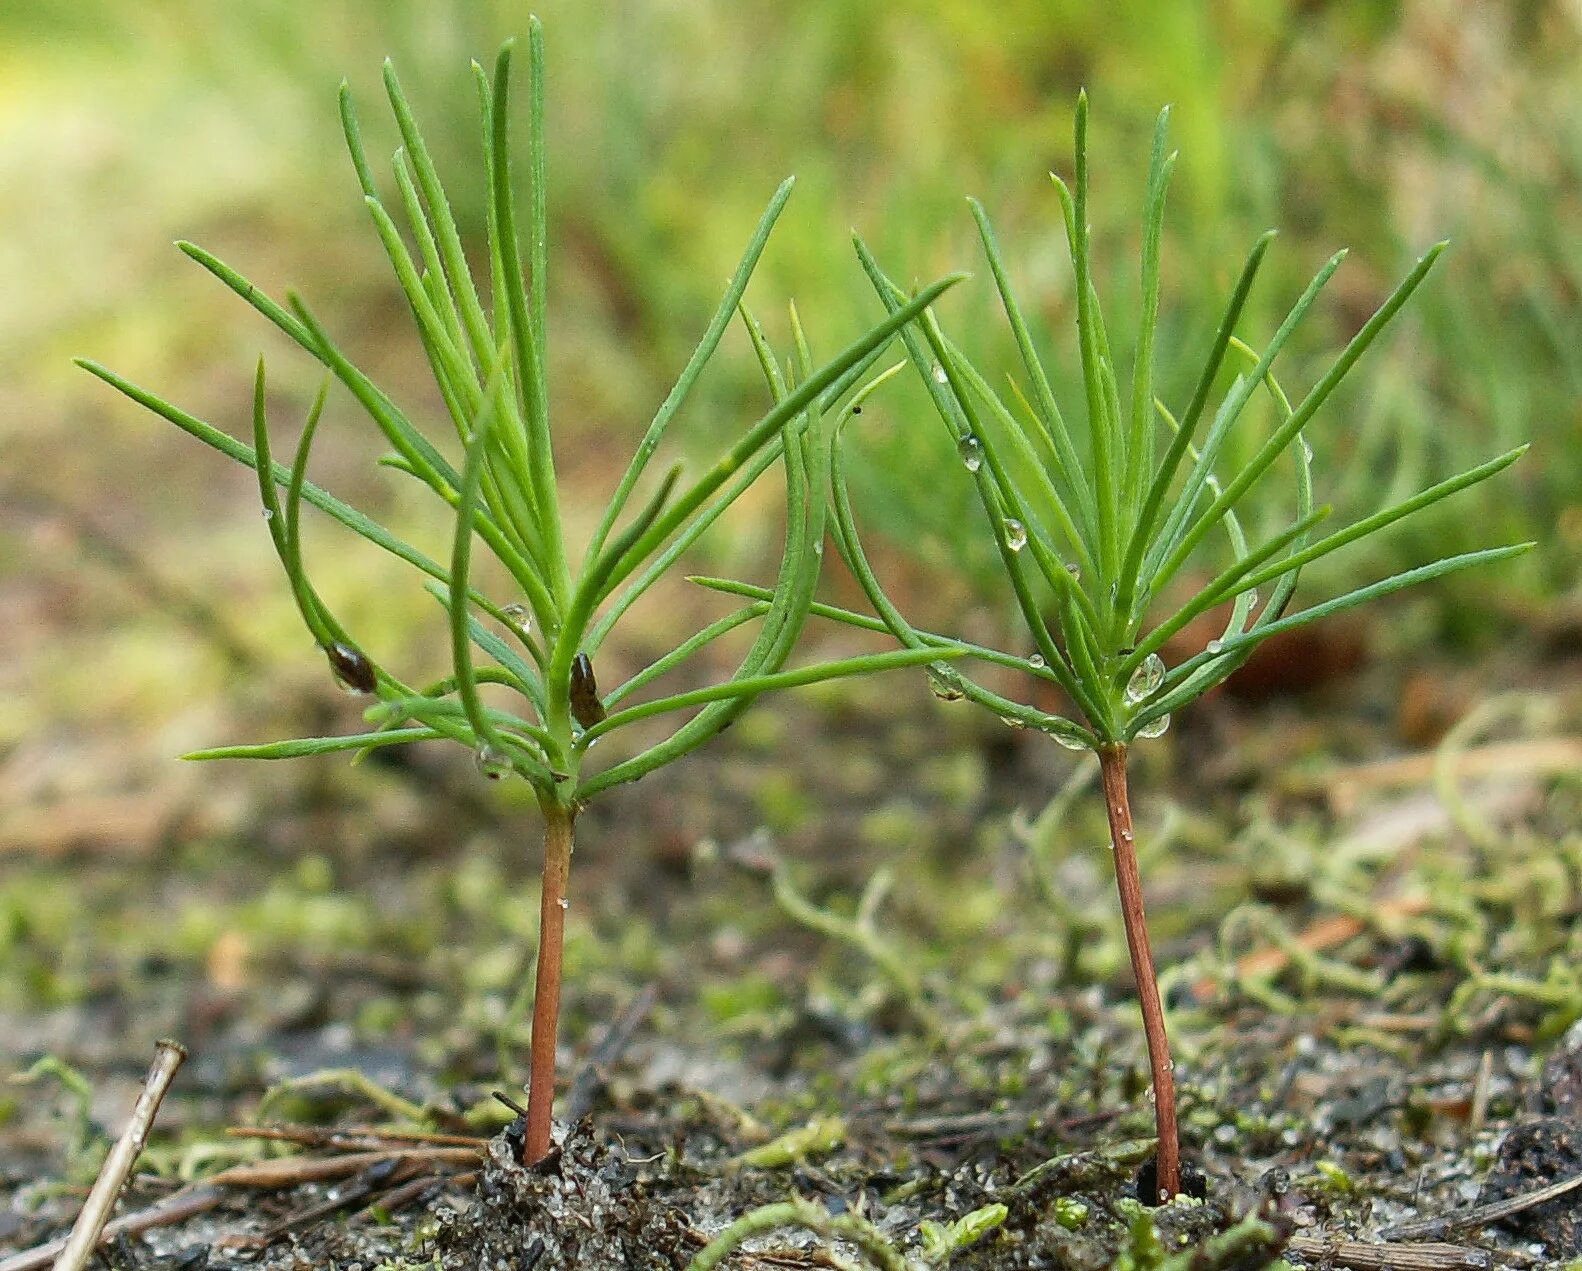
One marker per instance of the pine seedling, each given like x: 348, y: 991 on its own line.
x: 486, y: 347
x: 1094, y: 523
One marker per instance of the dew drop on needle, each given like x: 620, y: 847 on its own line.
x: 1155, y: 727
x: 1148, y: 676
x: 970, y: 452
x: 491, y: 762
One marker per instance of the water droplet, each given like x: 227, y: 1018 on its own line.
x: 1015, y: 535
x: 1067, y: 741
x: 1252, y: 596
x: 564, y: 903
x: 1307, y: 450
x: 519, y: 616
x: 971, y: 453
x: 1073, y: 569
x: 491, y: 762
x: 942, y: 683
x: 1148, y: 676
x: 1036, y: 661
x: 1214, y: 646
x: 269, y: 514
x: 1155, y: 727
x: 1127, y: 836
x: 939, y: 374
x: 1164, y: 1196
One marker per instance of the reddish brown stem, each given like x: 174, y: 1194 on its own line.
x: 1112, y: 767
x: 546, y: 986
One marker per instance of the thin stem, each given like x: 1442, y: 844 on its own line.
x: 546, y: 986
x: 1112, y: 768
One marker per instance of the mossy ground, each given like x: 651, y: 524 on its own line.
x: 959, y: 1019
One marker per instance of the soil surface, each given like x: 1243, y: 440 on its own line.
x: 864, y: 953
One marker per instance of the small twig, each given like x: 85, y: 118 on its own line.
x: 85, y: 1232
x: 288, y: 1173
x: 359, y: 1138
x: 1480, y: 1215
x: 1363, y: 1255
x: 366, y: 1190
x: 398, y: 1198
x: 510, y: 1103
x: 177, y: 1207
x: 590, y: 1081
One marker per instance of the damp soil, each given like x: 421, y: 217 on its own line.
x: 1369, y: 984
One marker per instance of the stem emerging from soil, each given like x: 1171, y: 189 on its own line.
x: 1112, y: 768
x: 546, y: 986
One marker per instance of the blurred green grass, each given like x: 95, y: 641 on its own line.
x: 1382, y: 126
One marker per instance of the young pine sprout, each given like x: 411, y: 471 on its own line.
x: 485, y: 345
x: 1095, y: 520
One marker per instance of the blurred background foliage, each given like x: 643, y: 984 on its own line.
x: 1382, y: 126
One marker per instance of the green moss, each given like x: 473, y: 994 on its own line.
x: 1070, y: 1213
x: 747, y: 996
x: 895, y: 826
x: 782, y: 801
